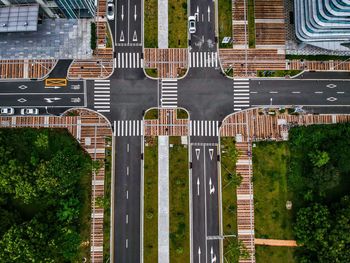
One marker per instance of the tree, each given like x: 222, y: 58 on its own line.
x: 319, y: 158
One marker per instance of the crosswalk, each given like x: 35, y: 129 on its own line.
x: 203, y: 59
x: 241, y: 94
x: 128, y: 60
x: 102, y: 95
x: 128, y: 128
x: 123, y: 128
x: 168, y: 93
x: 204, y: 128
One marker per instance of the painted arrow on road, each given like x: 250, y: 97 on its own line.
x: 198, y: 151
x: 135, y: 15
x: 51, y: 100
x: 211, y: 187
x: 122, y: 15
x: 121, y: 39
x: 212, y: 255
x: 198, y: 183
x: 211, y: 153
x: 208, y: 13
x: 199, y: 254
x: 134, y: 37
x: 53, y: 87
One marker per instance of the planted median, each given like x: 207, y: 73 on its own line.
x: 150, y: 238
x: 179, y: 201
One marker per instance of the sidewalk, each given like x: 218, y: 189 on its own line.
x: 163, y: 23
x: 163, y: 199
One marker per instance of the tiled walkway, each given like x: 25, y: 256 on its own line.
x: 55, y: 39
x: 163, y: 23
x: 163, y: 199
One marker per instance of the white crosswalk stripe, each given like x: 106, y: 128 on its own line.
x: 168, y: 93
x: 102, y: 95
x: 128, y: 128
x: 203, y: 59
x: 204, y: 128
x: 241, y: 94
x: 128, y: 60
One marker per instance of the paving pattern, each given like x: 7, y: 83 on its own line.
x: 166, y: 124
x: 26, y: 68
x: 91, y: 131
x: 253, y: 125
x: 169, y: 62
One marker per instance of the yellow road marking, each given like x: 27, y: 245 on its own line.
x: 56, y: 82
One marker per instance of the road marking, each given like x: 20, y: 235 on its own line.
x: 126, y: 243
x: 198, y: 151
x: 273, y: 92
x: 296, y: 92
x: 121, y: 39
x: 211, y: 187
x: 127, y: 194
x: 211, y: 153
x: 318, y: 92
x: 127, y: 219
x: 198, y: 183
x: 127, y: 148
x: 114, y: 128
x: 340, y: 92
x: 127, y: 170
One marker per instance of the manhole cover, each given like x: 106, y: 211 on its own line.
x: 331, y: 86
x: 331, y: 99
x: 21, y: 100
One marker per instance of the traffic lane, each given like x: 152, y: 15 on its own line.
x: 121, y: 17
x: 299, y: 92
x: 324, y: 75
x: 43, y: 100
x: 127, y: 201
x: 198, y: 205
x: 204, y: 37
x: 212, y: 202
x: 39, y: 87
x: 135, y: 18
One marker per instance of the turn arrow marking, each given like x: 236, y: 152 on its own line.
x: 211, y: 189
x: 212, y: 255
x: 199, y: 254
x: 198, y: 151
x: 134, y: 38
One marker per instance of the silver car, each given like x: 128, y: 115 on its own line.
x: 29, y: 111
x: 6, y: 111
x: 110, y: 11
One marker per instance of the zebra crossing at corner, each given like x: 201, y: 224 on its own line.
x: 204, y: 128
x: 203, y: 59
x: 128, y: 60
x: 102, y: 95
x: 168, y: 93
x: 241, y: 94
x: 128, y: 128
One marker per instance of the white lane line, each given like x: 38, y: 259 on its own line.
x: 127, y: 148
x: 119, y: 129
x: 122, y: 128
x: 205, y: 129
x: 133, y: 127
x: 118, y: 60
x: 273, y: 92
x: 137, y: 128
x: 127, y: 219
x: 127, y: 194
x: 318, y: 92
x: 127, y: 170
x: 340, y: 92
x: 126, y: 243
x: 296, y: 92
x: 138, y: 59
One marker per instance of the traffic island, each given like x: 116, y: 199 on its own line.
x: 179, y: 200
x: 150, y: 199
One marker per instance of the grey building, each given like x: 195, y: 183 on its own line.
x: 59, y: 8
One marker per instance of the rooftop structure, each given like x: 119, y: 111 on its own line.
x: 323, y: 23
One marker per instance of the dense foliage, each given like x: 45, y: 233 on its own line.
x: 319, y: 178
x: 40, y: 195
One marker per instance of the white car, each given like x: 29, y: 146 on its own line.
x: 7, y: 111
x: 192, y: 24
x: 110, y: 11
x: 30, y: 111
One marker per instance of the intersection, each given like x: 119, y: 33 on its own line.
x: 205, y: 92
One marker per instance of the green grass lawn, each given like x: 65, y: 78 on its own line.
x: 177, y: 24
x: 229, y: 197
x: 251, y: 24
x: 181, y: 114
x: 151, y: 200
x: 269, y: 254
x: 151, y: 23
x: 152, y: 114
x: 107, y: 202
x: 277, y: 73
x: 225, y: 21
x: 179, y: 202
x: 270, y: 166
x: 152, y: 72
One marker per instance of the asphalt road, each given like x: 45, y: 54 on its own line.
x: 34, y: 94
x: 204, y: 38
x: 205, y: 209
x: 127, y: 199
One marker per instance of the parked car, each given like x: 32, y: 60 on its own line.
x: 110, y: 11
x: 6, y: 111
x: 192, y: 24
x: 110, y: 1
x: 30, y: 111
